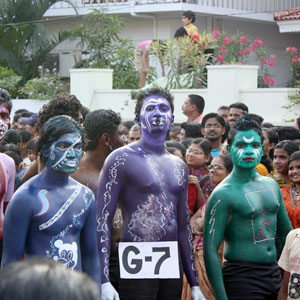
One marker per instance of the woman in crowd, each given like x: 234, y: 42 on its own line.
x: 282, y: 152
x: 220, y: 167
x: 291, y: 194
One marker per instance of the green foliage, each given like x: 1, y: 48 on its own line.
x: 46, y: 87
x: 23, y: 46
x: 294, y: 100
x: 9, y: 81
x: 99, y: 37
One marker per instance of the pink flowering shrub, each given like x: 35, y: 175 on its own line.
x: 294, y: 58
x: 240, y: 49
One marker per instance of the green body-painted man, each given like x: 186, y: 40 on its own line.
x: 246, y: 210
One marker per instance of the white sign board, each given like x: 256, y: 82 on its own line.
x: 149, y: 260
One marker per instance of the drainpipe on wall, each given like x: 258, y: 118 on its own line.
x: 132, y: 13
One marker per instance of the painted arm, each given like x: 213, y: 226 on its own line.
x: 215, y: 219
x: 16, y: 224
x: 185, y: 242
x: 88, y: 244
x: 110, y: 184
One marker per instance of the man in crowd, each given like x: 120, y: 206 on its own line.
x: 223, y: 111
x: 236, y: 112
x: 134, y: 134
x: 31, y: 124
x: 246, y: 210
x: 151, y: 185
x: 193, y: 107
x: 213, y: 128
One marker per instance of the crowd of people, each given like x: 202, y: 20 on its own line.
x: 224, y: 186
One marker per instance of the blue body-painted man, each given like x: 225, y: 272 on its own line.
x: 52, y: 215
x: 151, y: 185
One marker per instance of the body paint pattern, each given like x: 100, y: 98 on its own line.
x: 67, y: 254
x: 179, y: 172
x: 212, y: 219
x: 102, y: 225
x: 261, y: 231
x: 117, y: 223
x: 61, y: 210
x: 44, y: 201
x: 57, y: 243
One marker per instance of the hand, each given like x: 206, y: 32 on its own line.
x: 197, y: 227
x: 108, y: 292
x: 194, y: 180
x: 197, y: 294
x: 147, y: 70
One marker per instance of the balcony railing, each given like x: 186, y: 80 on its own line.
x: 257, y: 6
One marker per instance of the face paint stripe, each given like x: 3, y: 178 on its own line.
x: 248, y: 141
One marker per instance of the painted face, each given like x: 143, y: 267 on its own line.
x: 156, y: 115
x: 65, y: 153
x: 294, y: 171
x: 246, y: 149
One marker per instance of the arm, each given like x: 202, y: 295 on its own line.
x: 283, y: 293
x: 88, y: 244
x: 185, y: 242
x: 110, y: 184
x: 216, y: 214
x: 31, y: 171
x: 200, y: 200
x: 145, y: 61
x: 11, y: 173
x: 16, y: 224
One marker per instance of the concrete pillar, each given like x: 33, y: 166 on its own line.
x: 83, y: 82
x: 224, y: 82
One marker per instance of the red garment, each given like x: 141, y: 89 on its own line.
x: 192, y: 197
x: 291, y: 206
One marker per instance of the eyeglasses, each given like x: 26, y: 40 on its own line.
x: 196, y: 152
x: 214, y: 126
x: 215, y: 168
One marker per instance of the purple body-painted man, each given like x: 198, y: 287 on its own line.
x: 151, y: 185
x: 52, y: 215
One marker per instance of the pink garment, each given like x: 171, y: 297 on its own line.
x: 144, y: 45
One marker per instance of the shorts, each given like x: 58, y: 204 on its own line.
x: 138, y: 60
x: 251, y: 281
x: 150, y: 289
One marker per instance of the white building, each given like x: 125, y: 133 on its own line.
x: 159, y: 19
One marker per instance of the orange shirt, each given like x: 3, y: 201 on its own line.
x: 291, y: 206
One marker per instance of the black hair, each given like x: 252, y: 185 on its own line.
x: 259, y: 119
x: 11, y: 137
x: 15, y: 156
x: 239, y: 105
x: 10, y: 147
x: 99, y: 122
x: 198, y: 101
x: 84, y: 111
x: 213, y: 116
x: 189, y: 14
x: 134, y: 128
x: 192, y: 129
x: 25, y: 135
x: 22, y: 110
x: 128, y: 124
x: 172, y: 150
x: 63, y: 104
x: 180, y: 32
x: 150, y: 92
x: 53, y: 129
x: 36, y: 278
x: 288, y: 146
x: 204, y: 144
x: 298, y: 122
x: 227, y: 161
x: 223, y: 107
x: 179, y: 146
x: 268, y: 125
x: 294, y: 156
x: 225, y: 135
x: 267, y: 163
x: 287, y: 133
x: 5, y: 99
x: 244, y: 125
x: 273, y: 138
x: 31, y: 145
x: 186, y: 142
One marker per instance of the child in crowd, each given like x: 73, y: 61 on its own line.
x: 290, y: 262
x: 31, y: 152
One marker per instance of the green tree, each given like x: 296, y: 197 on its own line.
x: 23, y: 46
x: 99, y: 38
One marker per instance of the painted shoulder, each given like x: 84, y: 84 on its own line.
x: 86, y: 189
